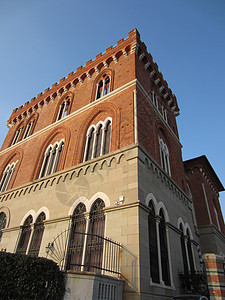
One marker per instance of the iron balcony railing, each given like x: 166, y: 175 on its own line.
x: 85, y: 252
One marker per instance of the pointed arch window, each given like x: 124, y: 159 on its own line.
x: 51, y: 159
x: 28, y: 129
x: 98, y: 139
x: 25, y: 236
x: 37, y: 235
x: 63, y: 109
x: 76, y: 242
x: 103, y: 87
x: 94, y: 250
x: 153, y: 249
x: 7, y: 176
x: 17, y: 136
x: 3, y: 220
x: 164, y: 155
x: 163, y: 249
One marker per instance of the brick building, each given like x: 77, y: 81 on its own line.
x: 91, y: 176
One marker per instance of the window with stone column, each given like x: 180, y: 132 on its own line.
x: 51, y: 159
x: 98, y: 139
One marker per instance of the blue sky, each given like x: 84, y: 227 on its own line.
x: 44, y: 40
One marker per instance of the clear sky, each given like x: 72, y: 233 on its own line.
x: 44, y: 40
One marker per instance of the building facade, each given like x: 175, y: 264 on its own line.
x: 91, y: 176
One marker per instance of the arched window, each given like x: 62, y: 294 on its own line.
x: 17, y: 136
x: 107, y: 137
x: 94, y: 251
x: 190, y: 254
x: 28, y: 129
x: 7, y: 176
x: 153, y: 249
x: 25, y: 235
x: 51, y: 159
x: 63, y: 109
x: 183, y: 250
x: 76, y: 242
x: 164, y: 155
x: 37, y: 235
x: 103, y: 87
x: 98, y: 140
x: 163, y: 249
x: 3, y: 220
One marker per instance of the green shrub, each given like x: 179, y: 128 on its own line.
x: 26, y: 277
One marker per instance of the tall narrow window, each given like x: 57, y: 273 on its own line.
x: 153, y: 249
x: 3, y: 220
x: 17, y: 136
x: 163, y: 249
x: 183, y: 250
x: 94, y: 251
x: 37, y: 235
x: 103, y: 87
x: 7, y: 176
x: 155, y: 99
x: 51, y: 159
x: 25, y: 235
x: 98, y: 140
x: 28, y: 130
x: 63, y: 109
x: 76, y: 242
x: 107, y: 137
x: 164, y: 155
x: 164, y: 113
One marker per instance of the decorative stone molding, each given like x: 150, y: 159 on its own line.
x: 73, y: 85
x: 134, y: 48
x: 52, y: 98
x: 124, y: 53
x: 141, y: 56
x: 59, y: 94
x: 115, y: 59
x: 152, y: 73
x: 80, y: 80
x: 157, y: 81
x: 165, y: 95
x: 96, y: 70
x: 88, y: 75
x: 147, y: 65
x: 105, y: 64
x: 161, y: 88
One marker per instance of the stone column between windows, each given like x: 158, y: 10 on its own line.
x: 31, y: 236
x: 186, y: 249
x: 103, y: 139
x: 96, y: 93
x: 169, y: 254
x: 192, y: 252
x: 94, y: 143
x: 86, y: 146
x: 59, y: 112
x: 157, y: 220
x: 85, y: 241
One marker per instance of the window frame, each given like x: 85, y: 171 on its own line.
x: 51, y: 159
x: 92, y: 140
x: 7, y: 175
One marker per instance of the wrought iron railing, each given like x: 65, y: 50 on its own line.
x: 85, y: 253
x: 194, y: 283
